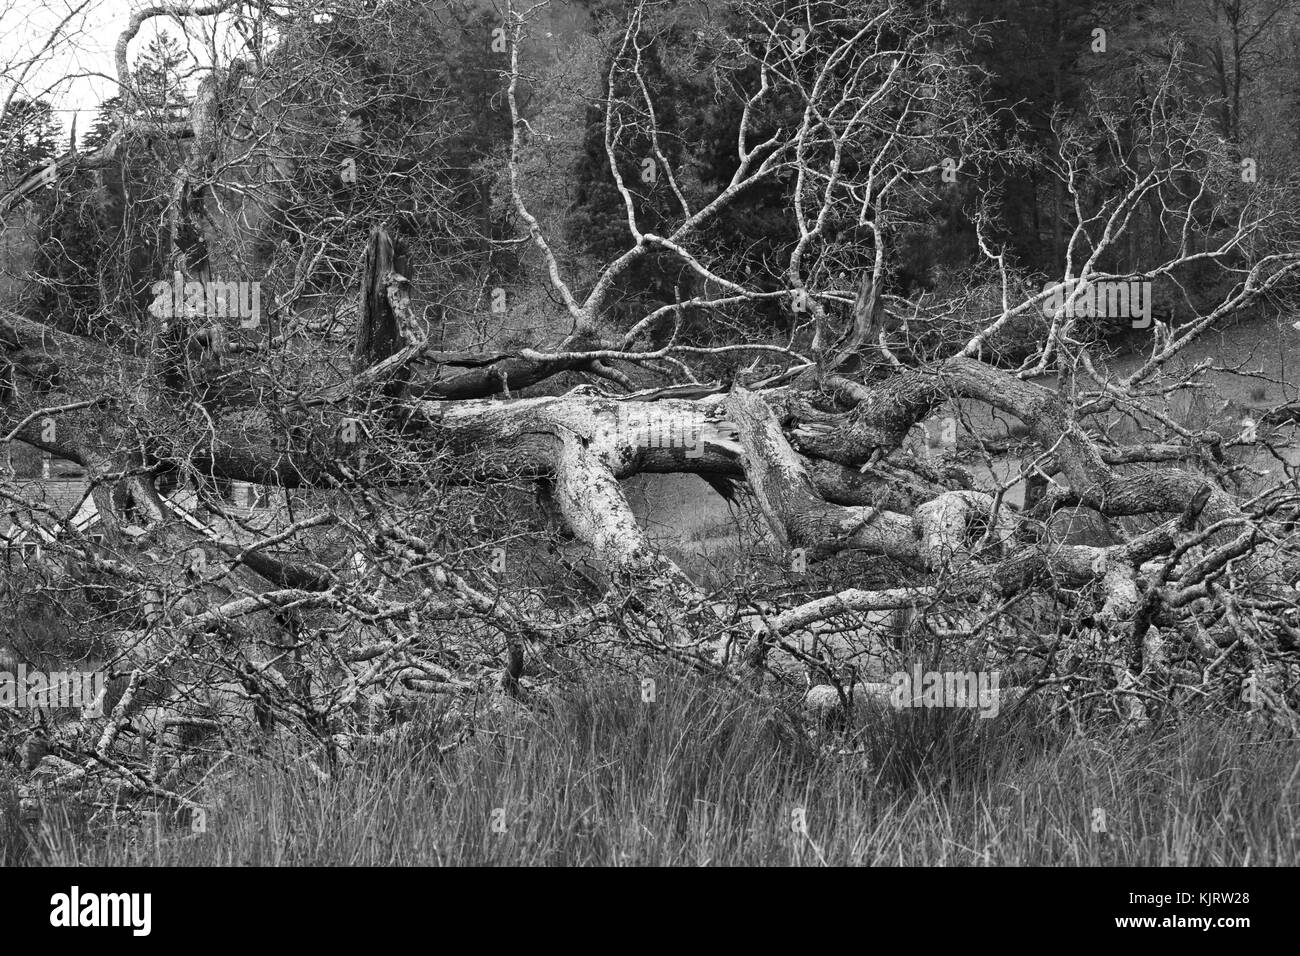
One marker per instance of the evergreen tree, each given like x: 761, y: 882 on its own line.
x: 29, y: 137
x: 104, y: 124
x: 159, y: 80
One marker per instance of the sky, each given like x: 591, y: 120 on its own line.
x: 77, y: 73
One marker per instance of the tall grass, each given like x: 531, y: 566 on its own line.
x: 706, y: 777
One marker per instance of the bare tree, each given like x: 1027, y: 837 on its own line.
x: 454, y: 520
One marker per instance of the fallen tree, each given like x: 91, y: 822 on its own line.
x: 456, y: 521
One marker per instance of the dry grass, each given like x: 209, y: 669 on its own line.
x: 704, y: 777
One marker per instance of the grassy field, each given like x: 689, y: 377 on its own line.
x: 705, y: 777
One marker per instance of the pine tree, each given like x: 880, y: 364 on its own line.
x: 29, y: 137
x: 158, y: 79
x: 103, y: 125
